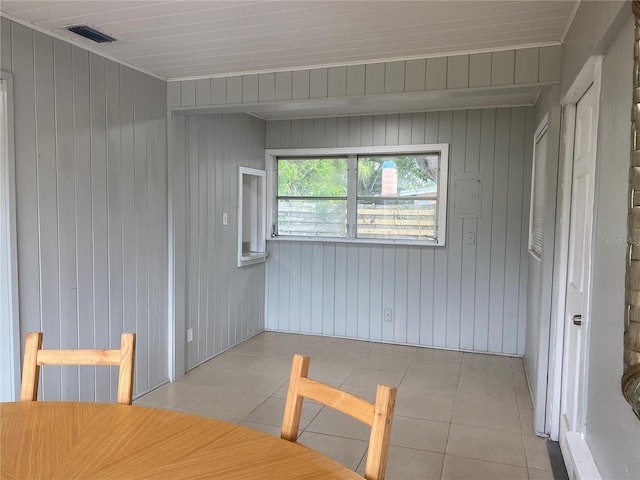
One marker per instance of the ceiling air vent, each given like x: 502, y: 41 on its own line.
x: 91, y: 33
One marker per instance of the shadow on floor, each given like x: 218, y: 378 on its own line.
x: 557, y: 461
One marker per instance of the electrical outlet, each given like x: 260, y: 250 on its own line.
x: 388, y: 315
x: 225, y: 219
x: 190, y: 335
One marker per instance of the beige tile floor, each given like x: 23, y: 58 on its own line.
x: 458, y: 415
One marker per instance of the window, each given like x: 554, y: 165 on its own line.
x: 372, y: 195
x: 536, y: 216
x: 251, y: 226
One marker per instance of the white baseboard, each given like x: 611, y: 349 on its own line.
x: 578, y: 459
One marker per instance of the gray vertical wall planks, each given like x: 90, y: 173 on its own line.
x: 84, y: 252
x: 374, y: 78
x: 328, y: 292
x: 458, y: 71
x: 340, y: 289
x: 524, y: 235
x: 441, y: 256
x: 99, y: 215
x: 86, y: 207
x: 514, y: 249
x: 502, y: 67
x: 222, y: 303
x: 490, y: 69
x: 283, y: 87
x: 415, y: 75
x: 234, y: 89
x: 394, y: 77
x: 469, y: 225
x: 218, y: 91
x: 484, y: 232
x: 550, y: 63
x: 173, y: 94
x: 249, y: 88
x: 5, y: 44
x: 499, y: 230
x: 47, y: 197
x: 480, y: 70
x: 115, y: 209
x: 457, y: 138
x: 299, y: 85
x: 266, y: 87
x: 355, y: 80
x: 527, y: 65
x: 66, y: 208
x: 337, y: 82
x: 188, y: 93
x: 460, y: 296
x: 436, y: 73
x: 141, y: 226
x: 127, y: 140
x: 318, y: 83
x: 26, y: 178
x: 203, y: 92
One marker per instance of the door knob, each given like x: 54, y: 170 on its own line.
x: 577, y: 320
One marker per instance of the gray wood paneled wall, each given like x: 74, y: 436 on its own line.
x: 91, y: 176
x: 460, y: 296
x: 481, y: 70
x: 222, y: 303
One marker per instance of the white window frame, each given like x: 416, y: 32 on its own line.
x: 255, y: 224
x: 536, y: 250
x: 271, y: 156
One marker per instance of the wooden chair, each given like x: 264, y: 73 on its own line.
x: 378, y: 416
x: 35, y: 356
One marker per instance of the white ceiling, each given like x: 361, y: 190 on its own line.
x: 189, y: 39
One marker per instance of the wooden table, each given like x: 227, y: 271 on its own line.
x: 69, y: 440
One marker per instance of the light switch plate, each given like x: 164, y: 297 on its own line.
x: 470, y: 238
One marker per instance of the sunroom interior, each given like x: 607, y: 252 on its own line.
x: 123, y: 208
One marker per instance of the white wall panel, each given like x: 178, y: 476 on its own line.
x: 317, y: 83
x: 66, y: 208
x: 499, y: 68
x: 459, y: 296
x: 90, y: 186
x: 283, y: 87
x: 480, y: 70
x: 300, y: 85
x: 203, y: 91
x: 222, y: 303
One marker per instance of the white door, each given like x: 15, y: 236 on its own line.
x: 579, y: 260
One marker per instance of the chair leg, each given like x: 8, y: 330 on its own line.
x: 30, y: 367
x: 125, y: 376
x: 380, y: 433
x: 293, y: 407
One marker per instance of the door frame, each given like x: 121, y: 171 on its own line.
x: 9, y: 313
x: 576, y: 451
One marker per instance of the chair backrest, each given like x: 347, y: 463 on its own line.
x: 35, y: 356
x: 378, y: 416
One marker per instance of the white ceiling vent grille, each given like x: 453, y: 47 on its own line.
x: 91, y: 33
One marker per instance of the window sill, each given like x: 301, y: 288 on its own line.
x: 359, y: 241
x: 252, y: 258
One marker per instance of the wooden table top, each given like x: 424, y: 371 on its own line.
x: 71, y: 440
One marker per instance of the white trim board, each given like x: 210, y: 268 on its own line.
x: 9, y: 306
x: 578, y: 459
x: 575, y: 449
